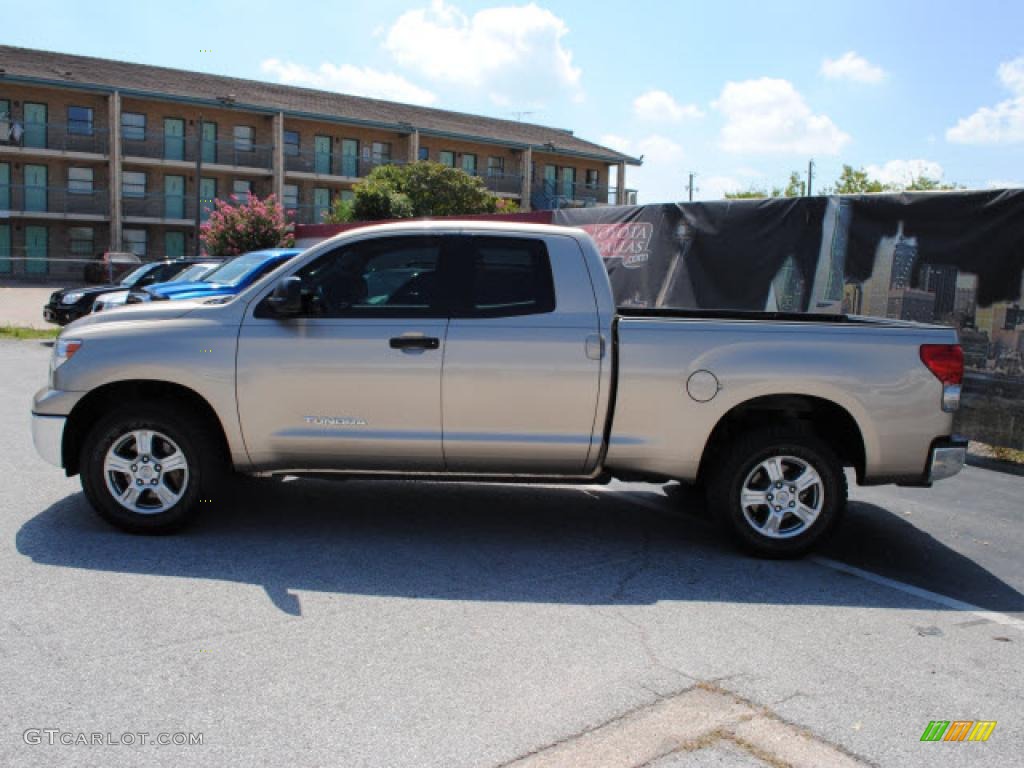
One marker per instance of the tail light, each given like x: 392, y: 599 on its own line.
x: 946, y: 362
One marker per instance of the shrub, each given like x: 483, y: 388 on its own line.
x: 420, y: 189
x: 238, y: 227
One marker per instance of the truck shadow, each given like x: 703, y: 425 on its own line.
x: 497, y: 543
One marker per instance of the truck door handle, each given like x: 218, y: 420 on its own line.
x: 415, y: 342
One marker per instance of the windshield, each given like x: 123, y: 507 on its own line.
x: 133, y: 277
x: 235, y: 271
x: 195, y: 272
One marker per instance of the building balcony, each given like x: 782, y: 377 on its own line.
x: 47, y: 139
x: 161, y: 149
x: 547, y: 195
x: 53, y: 202
x: 158, y: 207
x: 330, y: 164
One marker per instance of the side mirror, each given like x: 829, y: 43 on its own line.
x: 286, y: 300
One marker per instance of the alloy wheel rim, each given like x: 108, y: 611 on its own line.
x: 782, y: 497
x: 145, y: 471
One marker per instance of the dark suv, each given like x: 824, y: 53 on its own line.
x: 72, y: 303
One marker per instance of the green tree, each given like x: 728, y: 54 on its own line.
x: 928, y: 184
x: 795, y: 187
x: 246, y: 226
x: 420, y: 189
x: 340, y: 213
x: 857, y: 182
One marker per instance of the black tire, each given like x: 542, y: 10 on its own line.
x: 742, y: 464
x: 204, y: 465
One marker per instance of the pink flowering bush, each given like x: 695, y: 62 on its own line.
x: 239, y: 227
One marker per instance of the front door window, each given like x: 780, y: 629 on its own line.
x: 322, y: 154
x: 35, y: 187
x: 350, y: 158
x: 174, y: 138
x: 321, y: 204
x: 35, y: 126
x: 209, y: 142
x: 174, y: 197
x: 36, y: 250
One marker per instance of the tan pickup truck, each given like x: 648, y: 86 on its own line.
x: 469, y: 350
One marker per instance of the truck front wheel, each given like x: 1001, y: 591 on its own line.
x: 145, y: 469
x: 779, y: 492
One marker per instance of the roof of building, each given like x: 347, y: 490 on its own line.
x: 86, y: 71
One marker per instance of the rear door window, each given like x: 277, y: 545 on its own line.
x: 504, y: 277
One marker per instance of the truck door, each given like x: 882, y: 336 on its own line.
x: 522, y: 361
x: 355, y: 381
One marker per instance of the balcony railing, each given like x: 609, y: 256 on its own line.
x: 307, y: 214
x: 159, y: 206
x: 331, y: 164
x: 74, y: 137
x: 28, y: 199
x: 162, y: 146
x: 158, y: 145
x: 549, y: 195
x: 503, y: 183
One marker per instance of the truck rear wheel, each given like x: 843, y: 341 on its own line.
x: 145, y: 469
x: 778, y: 492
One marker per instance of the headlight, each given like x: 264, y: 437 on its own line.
x: 72, y: 298
x: 63, y: 350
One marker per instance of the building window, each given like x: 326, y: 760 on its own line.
x: 446, y: 157
x: 347, y: 195
x: 290, y: 197
x: 80, y: 181
x: 495, y: 166
x: 469, y: 163
x: 244, y: 137
x: 242, y: 188
x: 134, y: 240
x: 423, y: 153
x: 133, y: 126
x: 81, y: 241
x: 291, y: 143
x: 133, y: 184
x: 381, y: 151
x: 592, y: 178
x: 80, y: 121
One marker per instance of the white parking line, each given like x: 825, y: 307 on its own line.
x: 924, y: 594
x: 932, y: 597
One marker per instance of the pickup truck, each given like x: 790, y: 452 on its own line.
x: 493, y: 352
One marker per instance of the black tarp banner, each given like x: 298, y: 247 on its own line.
x: 954, y: 258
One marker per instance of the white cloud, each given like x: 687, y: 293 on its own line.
x: 903, y: 172
x: 663, y: 176
x: 358, y: 81
x: 515, y: 54
x: 850, y: 66
x: 659, y: 106
x: 1001, y: 124
x: 770, y: 116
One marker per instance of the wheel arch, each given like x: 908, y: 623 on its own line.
x: 829, y: 421
x: 107, y: 397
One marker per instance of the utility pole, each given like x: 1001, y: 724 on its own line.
x: 691, y: 186
x: 810, y: 176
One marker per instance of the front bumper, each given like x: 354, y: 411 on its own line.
x: 61, y: 314
x: 947, y: 458
x: 48, y: 436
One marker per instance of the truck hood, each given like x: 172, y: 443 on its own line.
x: 157, y: 310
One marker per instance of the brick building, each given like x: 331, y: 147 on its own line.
x: 98, y: 154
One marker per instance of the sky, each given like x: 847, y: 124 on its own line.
x: 738, y: 93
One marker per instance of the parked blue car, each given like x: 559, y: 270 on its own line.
x: 228, y: 279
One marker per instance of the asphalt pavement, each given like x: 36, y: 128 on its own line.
x: 421, y: 624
